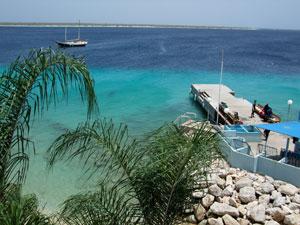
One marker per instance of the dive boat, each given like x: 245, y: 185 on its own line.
x: 73, y: 42
x: 259, y: 109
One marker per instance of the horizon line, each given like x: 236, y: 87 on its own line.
x: 133, y: 25
x: 121, y: 25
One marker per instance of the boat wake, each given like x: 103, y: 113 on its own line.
x: 162, y: 48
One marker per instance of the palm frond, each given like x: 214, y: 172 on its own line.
x: 29, y: 86
x: 17, y: 209
x: 103, y: 207
x: 106, y: 150
x: 157, y: 175
x: 165, y: 184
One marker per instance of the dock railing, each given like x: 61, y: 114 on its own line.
x: 269, y: 152
x: 262, y: 163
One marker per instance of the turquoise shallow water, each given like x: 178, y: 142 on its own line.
x: 143, y: 99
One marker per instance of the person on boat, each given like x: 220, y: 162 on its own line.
x: 266, y: 108
x: 269, y: 112
x: 253, y: 109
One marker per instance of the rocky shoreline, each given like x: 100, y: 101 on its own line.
x: 237, y: 197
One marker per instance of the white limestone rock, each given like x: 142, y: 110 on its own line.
x: 293, y: 219
x: 296, y: 199
x: 222, y: 209
x: 229, y: 220
x: 257, y: 213
x: 275, y: 194
x: 266, y: 188
x: 251, y: 205
x: 294, y: 206
x: 279, y: 201
x: 286, y: 209
x: 232, y: 171
x: 203, y: 222
x: 271, y: 222
x: 198, y: 194
x: 229, y: 180
x: 220, y: 182
x: 242, y: 210
x: 247, y: 194
x: 278, y: 183
x: 243, y: 221
x: 228, y: 191
x: 243, y: 182
x: 199, y: 212
x: 252, y: 176
x: 215, y: 190
x: 225, y: 200
x: 287, y: 199
x: 222, y: 173
x: 213, y: 221
x: 264, y: 199
x: 288, y: 189
x: 191, y: 219
x: 276, y: 214
x: 208, y: 200
x: 269, y: 179
x: 232, y: 202
x: 256, y: 185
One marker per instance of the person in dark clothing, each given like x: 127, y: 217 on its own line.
x: 253, y: 109
x: 266, y: 133
x: 266, y: 108
x: 269, y: 112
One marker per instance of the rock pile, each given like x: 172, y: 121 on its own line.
x: 237, y: 197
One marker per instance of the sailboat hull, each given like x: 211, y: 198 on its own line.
x: 72, y: 43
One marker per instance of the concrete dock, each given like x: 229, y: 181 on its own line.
x: 207, y: 95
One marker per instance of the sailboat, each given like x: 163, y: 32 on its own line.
x: 72, y: 42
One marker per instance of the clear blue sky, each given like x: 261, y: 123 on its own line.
x: 245, y: 13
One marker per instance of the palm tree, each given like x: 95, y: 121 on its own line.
x: 146, y: 181
x: 16, y: 209
x: 27, y: 88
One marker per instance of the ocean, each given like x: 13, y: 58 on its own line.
x: 142, y: 78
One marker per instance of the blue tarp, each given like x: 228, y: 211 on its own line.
x: 291, y: 128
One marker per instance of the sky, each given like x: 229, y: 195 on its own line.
x: 234, y: 13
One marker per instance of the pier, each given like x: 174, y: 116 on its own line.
x: 207, y: 95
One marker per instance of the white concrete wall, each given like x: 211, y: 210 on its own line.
x: 279, y: 170
x: 260, y: 164
x: 238, y: 159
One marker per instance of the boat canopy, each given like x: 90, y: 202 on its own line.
x: 291, y: 128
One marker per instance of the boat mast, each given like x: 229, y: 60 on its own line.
x: 220, y: 83
x: 79, y: 30
x: 65, y: 33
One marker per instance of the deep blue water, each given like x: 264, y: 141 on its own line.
x: 142, y: 77
x: 250, y: 51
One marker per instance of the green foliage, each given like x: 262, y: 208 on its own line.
x: 140, y: 181
x: 27, y: 88
x: 104, y: 207
x: 16, y: 209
